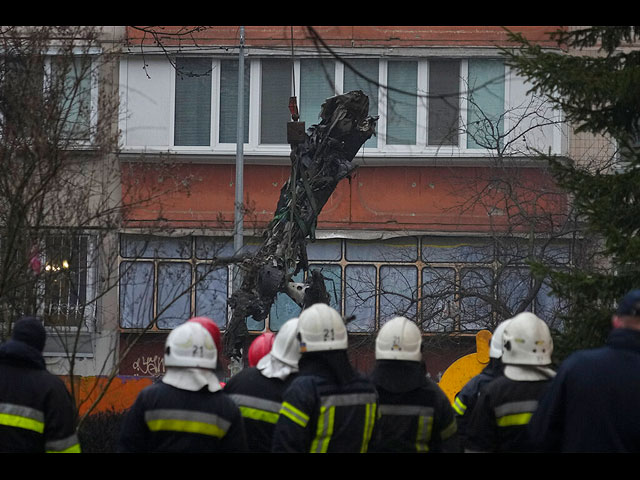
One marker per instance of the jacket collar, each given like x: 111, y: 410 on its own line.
x: 19, y: 353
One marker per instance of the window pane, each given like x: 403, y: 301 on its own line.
x: 328, y: 250
x: 403, y: 249
x: 65, y: 279
x: 444, y: 93
x: 136, y: 294
x: 333, y: 282
x: 229, y: 101
x: 284, y: 308
x: 212, y: 293
x: 513, y: 288
x: 475, y: 288
x: 398, y: 292
x: 363, y: 75
x: 439, y: 306
x: 274, y: 110
x: 174, y: 299
x: 456, y: 249
x: 317, y: 83
x: 402, y: 79
x: 486, y: 103
x: 193, y: 102
x: 143, y: 246
x: 75, y: 95
x: 360, y: 297
x: 211, y: 247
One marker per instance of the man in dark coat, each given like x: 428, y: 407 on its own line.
x: 37, y: 413
x: 591, y: 404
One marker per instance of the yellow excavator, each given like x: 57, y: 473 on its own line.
x: 467, y: 367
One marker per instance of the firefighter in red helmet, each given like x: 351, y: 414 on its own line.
x: 260, y: 347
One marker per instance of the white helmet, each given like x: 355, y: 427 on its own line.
x: 495, y: 347
x: 286, y: 347
x: 190, y: 345
x: 399, y: 339
x: 321, y: 328
x: 527, y: 341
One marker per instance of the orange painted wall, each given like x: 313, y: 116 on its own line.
x: 381, y: 198
x: 335, y: 35
x: 116, y: 395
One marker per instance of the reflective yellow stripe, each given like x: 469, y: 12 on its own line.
x: 459, y: 407
x: 324, y: 430
x: 425, y: 427
x: 257, y: 414
x: 370, y: 421
x: 64, y: 445
x: 185, y: 426
x: 175, y: 420
x: 516, y: 419
x: 293, y: 414
x: 21, y: 422
x: 515, y: 413
x: 449, y: 431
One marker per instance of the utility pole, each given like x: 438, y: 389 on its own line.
x: 239, y: 209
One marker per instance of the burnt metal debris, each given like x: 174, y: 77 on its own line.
x: 320, y: 159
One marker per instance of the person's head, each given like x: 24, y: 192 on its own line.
x: 30, y: 330
x: 321, y: 329
x: 212, y: 328
x: 527, y: 343
x: 260, y: 347
x: 399, y: 339
x: 190, y: 345
x: 285, y: 346
x: 495, y: 346
x: 627, y: 314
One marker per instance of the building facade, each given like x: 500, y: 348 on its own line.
x: 447, y: 206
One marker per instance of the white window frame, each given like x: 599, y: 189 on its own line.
x: 382, y: 151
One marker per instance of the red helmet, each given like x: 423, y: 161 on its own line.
x: 211, y: 327
x: 260, y: 347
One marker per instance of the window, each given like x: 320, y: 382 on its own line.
x: 275, y: 93
x: 68, y: 280
x: 402, y: 103
x: 426, y: 106
x: 193, y: 101
x: 449, y: 284
x: 61, y: 88
x: 444, y: 99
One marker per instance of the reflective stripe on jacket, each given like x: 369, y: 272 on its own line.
x: 167, y: 419
x: 37, y: 414
x: 499, y: 420
x: 259, y: 399
x: 318, y: 416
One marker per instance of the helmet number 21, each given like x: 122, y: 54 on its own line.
x: 329, y: 335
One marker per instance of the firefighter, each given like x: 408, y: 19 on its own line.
x: 465, y: 400
x: 260, y: 347
x: 590, y: 406
x: 186, y: 411
x: 499, y: 420
x: 258, y: 390
x: 37, y: 412
x: 415, y: 414
x: 329, y: 407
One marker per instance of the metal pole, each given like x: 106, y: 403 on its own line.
x: 239, y: 227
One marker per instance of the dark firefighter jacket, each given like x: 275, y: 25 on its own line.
x: 259, y: 399
x: 170, y: 420
x: 36, y: 410
x: 415, y: 414
x: 499, y: 420
x: 466, y: 399
x: 328, y: 408
x: 592, y: 403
